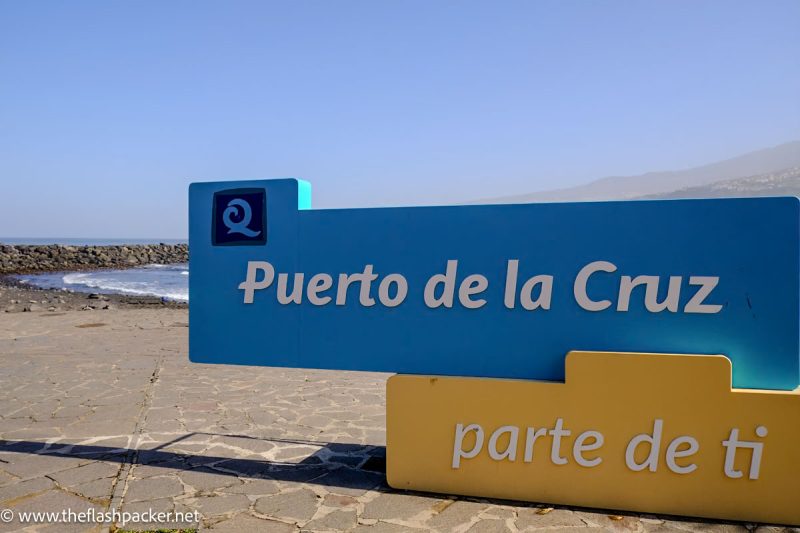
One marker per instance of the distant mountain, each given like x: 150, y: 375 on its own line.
x: 750, y: 166
x: 783, y: 183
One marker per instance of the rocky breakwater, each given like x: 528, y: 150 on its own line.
x: 29, y: 259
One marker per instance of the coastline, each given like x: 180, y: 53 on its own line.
x: 16, y: 296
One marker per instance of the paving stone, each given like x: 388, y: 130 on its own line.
x: 159, y: 527
x: 142, y: 471
x: 350, y: 460
x: 24, y: 488
x: 6, y: 479
x: 337, y: 500
x: 241, y: 467
x: 257, y: 487
x: 85, y: 473
x: 296, y: 505
x: 663, y: 527
x: 153, y: 488
x: 489, y: 526
x: 99, y: 489
x: 384, y: 527
x: 52, y: 501
x: 457, y: 513
x: 160, y: 505
x: 294, y: 453
x: 335, y: 521
x: 27, y: 465
x: 350, y: 482
x: 207, y: 480
x: 243, y: 523
x: 221, y: 504
x: 401, y: 506
x: 611, y: 522
x: 315, y: 421
x: 256, y: 445
x: 501, y: 513
x: 67, y: 528
x: 299, y: 474
x: 539, y: 519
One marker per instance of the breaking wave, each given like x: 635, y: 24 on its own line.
x: 163, y: 281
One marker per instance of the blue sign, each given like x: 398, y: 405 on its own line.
x: 491, y: 290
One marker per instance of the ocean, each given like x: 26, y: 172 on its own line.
x: 164, y: 281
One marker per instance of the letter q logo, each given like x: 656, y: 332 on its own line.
x: 239, y: 218
x: 246, y: 214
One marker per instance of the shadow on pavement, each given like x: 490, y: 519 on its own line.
x: 354, y: 466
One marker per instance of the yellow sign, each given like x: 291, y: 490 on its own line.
x: 642, y: 432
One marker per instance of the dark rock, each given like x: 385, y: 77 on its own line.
x: 28, y: 259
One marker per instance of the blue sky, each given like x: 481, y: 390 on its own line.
x: 108, y: 110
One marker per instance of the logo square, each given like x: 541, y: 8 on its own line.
x: 239, y: 218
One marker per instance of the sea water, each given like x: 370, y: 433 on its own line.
x: 165, y: 281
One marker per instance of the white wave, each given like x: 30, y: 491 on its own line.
x: 74, y: 278
x: 115, y: 282
x: 185, y: 273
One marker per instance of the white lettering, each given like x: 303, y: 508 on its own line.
x: 510, y: 295
x: 448, y: 280
x: 696, y: 305
x: 530, y: 440
x: 733, y: 444
x: 653, y: 440
x: 651, y: 302
x: 580, y: 446
x: 365, y: 279
x: 317, y: 284
x: 673, y: 453
x: 511, y: 449
x: 474, y: 284
x: 400, y: 292
x: 297, y: 289
x: 557, y: 432
x: 251, y: 282
x: 458, y: 444
x: 545, y: 293
x: 579, y: 289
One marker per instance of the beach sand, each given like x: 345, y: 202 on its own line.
x: 102, y: 409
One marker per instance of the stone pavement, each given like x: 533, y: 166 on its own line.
x: 104, y: 411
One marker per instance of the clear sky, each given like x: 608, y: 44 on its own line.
x: 108, y: 110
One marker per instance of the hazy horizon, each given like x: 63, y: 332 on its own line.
x: 115, y: 108
x: 92, y: 241
x: 529, y: 196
